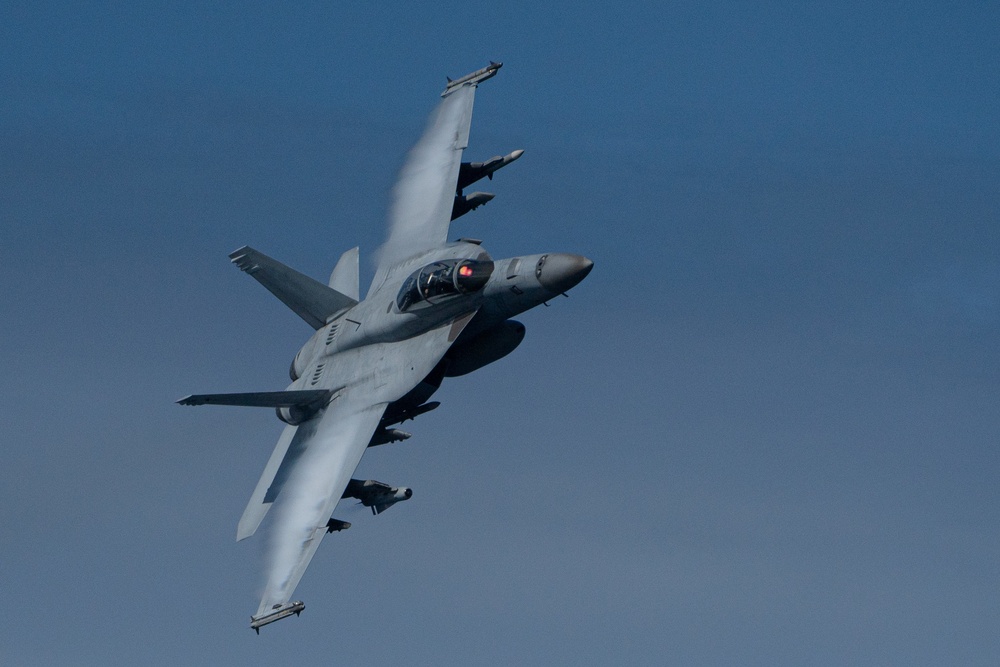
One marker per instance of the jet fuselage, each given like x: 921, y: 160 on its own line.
x: 514, y: 286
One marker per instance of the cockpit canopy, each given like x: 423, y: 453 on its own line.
x: 443, y: 280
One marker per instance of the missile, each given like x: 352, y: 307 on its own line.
x: 337, y: 525
x: 398, y: 413
x: 390, y: 499
x: 470, y: 172
x: 470, y: 202
x: 474, y: 78
x: 377, y: 495
x: 421, y: 409
x: 402, y: 414
x: 386, y: 435
x: 278, y: 612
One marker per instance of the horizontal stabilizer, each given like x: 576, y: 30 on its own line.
x: 261, y: 399
x: 310, y: 299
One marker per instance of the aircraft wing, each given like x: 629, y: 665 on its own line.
x: 425, y: 192
x: 328, y: 449
x: 336, y: 442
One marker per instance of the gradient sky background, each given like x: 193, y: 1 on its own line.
x: 763, y: 431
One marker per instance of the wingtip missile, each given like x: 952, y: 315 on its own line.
x: 278, y: 612
x: 473, y: 78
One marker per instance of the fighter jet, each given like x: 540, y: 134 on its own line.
x: 435, y: 309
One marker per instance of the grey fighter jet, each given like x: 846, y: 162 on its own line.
x: 435, y: 309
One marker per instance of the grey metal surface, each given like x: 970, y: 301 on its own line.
x: 434, y: 310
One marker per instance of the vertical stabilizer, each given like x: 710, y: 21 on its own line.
x: 345, y: 278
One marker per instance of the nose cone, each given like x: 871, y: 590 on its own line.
x: 559, y: 272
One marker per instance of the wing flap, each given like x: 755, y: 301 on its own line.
x: 258, y: 506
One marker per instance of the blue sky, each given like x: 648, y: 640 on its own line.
x: 763, y: 430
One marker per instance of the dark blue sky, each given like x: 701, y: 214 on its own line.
x: 763, y: 431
